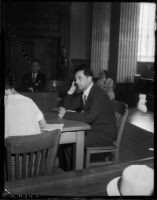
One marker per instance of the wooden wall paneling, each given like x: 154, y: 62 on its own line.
x: 65, y: 25
x: 37, y: 25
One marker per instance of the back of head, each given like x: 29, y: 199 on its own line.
x: 103, y: 74
x: 86, y: 69
x: 9, y: 82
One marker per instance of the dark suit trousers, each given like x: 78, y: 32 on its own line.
x: 65, y: 154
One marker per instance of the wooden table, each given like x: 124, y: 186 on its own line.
x: 44, y: 100
x: 73, y: 132
x: 87, y: 182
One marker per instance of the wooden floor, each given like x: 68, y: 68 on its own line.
x: 138, y: 138
x: 140, y: 116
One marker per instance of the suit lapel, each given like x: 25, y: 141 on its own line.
x: 89, y: 96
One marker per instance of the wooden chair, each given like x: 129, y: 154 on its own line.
x: 112, y: 152
x: 30, y: 156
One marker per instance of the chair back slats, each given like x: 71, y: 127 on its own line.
x: 118, y: 120
x: 30, y: 165
x: 37, y: 163
x: 11, y: 167
x: 17, y: 166
x: 24, y: 165
x: 8, y: 166
x: 30, y: 156
x: 121, y: 112
x: 43, y: 155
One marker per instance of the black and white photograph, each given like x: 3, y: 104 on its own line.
x: 77, y: 99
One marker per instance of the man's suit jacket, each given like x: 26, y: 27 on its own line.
x: 98, y: 112
x: 38, y: 85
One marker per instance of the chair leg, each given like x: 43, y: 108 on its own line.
x: 56, y: 164
x: 117, y: 156
x: 87, y: 159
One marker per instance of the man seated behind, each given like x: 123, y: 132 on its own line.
x: 22, y: 116
x: 96, y: 110
x: 106, y: 83
x: 34, y: 81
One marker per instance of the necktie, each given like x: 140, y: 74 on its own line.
x: 84, y: 99
x: 33, y: 77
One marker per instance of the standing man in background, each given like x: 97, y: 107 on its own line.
x: 34, y: 81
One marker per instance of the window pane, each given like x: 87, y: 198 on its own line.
x: 146, y: 40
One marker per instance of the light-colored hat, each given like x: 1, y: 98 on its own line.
x: 135, y: 180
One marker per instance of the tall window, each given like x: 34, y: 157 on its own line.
x: 147, y: 26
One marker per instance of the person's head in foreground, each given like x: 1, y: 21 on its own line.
x: 136, y: 180
x: 83, y: 77
x: 9, y: 86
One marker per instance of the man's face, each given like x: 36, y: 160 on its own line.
x: 35, y: 67
x: 82, y: 80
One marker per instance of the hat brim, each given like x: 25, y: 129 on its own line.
x: 112, y: 187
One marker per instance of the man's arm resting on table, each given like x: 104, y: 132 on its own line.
x: 95, y: 108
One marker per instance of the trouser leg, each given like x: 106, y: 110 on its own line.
x: 66, y: 156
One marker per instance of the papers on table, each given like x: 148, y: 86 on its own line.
x: 51, y: 127
x: 57, y: 109
x: 71, y: 111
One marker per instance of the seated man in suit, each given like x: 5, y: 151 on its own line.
x: 34, y: 81
x: 94, y: 107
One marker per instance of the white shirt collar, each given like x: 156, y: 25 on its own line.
x: 34, y: 74
x: 86, y: 92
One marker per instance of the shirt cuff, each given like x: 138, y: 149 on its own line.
x: 69, y: 92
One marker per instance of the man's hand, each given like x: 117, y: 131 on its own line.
x: 72, y: 89
x: 61, y: 112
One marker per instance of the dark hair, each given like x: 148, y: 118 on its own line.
x: 9, y: 83
x: 87, y: 71
x: 106, y: 73
x: 35, y: 60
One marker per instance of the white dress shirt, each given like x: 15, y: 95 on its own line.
x: 34, y: 75
x: 86, y: 93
